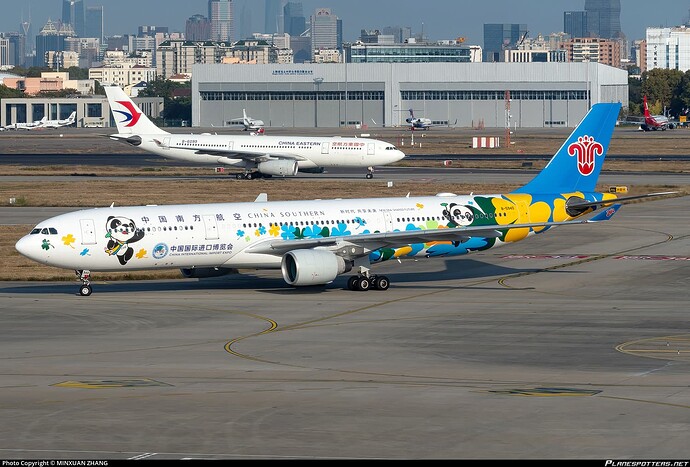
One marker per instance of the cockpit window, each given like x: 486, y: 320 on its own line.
x: 53, y: 231
x: 390, y: 148
x: 44, y: 231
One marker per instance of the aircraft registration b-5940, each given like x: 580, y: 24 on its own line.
x: 259, y: 156
x: 314, y: 241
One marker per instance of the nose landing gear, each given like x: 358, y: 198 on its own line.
x: 84, y: 276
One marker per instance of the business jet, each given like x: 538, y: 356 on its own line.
x: 249, y: 124
x: 259, y: 156
x: 655, y: 122
x: 314, y: 241
x: 421, y: 123
x: 60, y: 123
x: 27, y: 126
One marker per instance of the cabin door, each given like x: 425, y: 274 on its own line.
x: 88, y: 232
x: 211, y: 226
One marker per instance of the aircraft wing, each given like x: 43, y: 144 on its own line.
x: 238, y: 154
x: 352, y: 246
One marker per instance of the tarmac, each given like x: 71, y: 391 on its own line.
x: 574, y: 344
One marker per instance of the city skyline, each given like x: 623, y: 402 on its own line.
x: 433, y: 19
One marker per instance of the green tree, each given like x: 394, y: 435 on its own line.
x: 661, y: 86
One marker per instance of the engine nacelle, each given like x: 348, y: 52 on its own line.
x: 206, y: 272
x: 281, y: 167
x: 312, y: 267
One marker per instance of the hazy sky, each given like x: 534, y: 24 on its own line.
x: 441, y: 19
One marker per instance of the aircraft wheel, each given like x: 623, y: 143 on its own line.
x: 352, y: 283
x: 381, y: 283
x: 369, y: 176
x: 85, y: 290
x: 363, y: 284
x: 240, y: 176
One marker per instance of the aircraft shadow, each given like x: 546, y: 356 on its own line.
x: 405, y: 276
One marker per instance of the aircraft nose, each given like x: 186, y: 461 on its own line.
x: 24, y: 246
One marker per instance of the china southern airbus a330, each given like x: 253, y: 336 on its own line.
x: 259, y: 156
x: 314, y: 241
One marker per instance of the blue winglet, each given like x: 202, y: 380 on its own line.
x: 606, y: 214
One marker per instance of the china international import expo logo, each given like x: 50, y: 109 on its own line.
x: 586, y: 150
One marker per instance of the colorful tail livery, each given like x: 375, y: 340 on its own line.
x: 314, y: 241
x: 128, y: 117
x: 576, y: 165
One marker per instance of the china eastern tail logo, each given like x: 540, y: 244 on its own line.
x: 132, y: 116
x: 586, y: 150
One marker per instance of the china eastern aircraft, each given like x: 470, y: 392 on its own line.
x: 314, y: 241
x: 258, y: 156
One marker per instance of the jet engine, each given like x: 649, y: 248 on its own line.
x: 312, y: 267
x: 282, y: 167
x: 206, y: 272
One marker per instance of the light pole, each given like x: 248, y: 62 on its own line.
x: 317, y: 85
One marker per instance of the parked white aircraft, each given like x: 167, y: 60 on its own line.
x: 60, y: 123
x: 314, y: 241
x: 27, y: 126
x: 249, y: 123
x: 259, y: 157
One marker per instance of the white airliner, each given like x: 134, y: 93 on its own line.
x: 249, y: 123
x: 314, y: 241
x: 60, y: 123
x: 27, y: 126
x: 258, y: 156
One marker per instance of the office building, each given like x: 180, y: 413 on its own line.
x: 198, y: 28
x: 220, y: 13
x: 93, y: 26
x: 294, y: 22
x: 325, y: 30
x: 575, y: 23
x: 594, y: 49
x: 501, y: 37
x: 73, y: 14
x: 273, y: 17
x: 361, y: 52
x: 604, y: 18
x: 668, y: 48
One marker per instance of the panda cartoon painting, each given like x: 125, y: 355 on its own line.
x: 121, y: 232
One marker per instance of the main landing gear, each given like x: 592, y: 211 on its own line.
x: 370, y: 173
x: 251, y: 176
x: 84, y: 276
x: 365, y: 281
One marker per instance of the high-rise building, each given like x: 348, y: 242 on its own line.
x: 325, y: 28
x: 93, y: 26
x: 294, y: 22
x: 245, y: 28
x: 273, y: 17
x: 501, y: 37
x: 51, y: 39
x: 197, y: 28
x: 400, y: 34
x: 604, y: 18
x: 666, y: 46
x: 575, y: 23
x: 221, y: 16
x: 73, y: 14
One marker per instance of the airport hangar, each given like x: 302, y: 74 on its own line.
x: 380, y: 94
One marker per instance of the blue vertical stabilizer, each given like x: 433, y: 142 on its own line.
x: 576, y: 165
